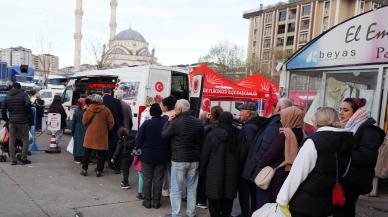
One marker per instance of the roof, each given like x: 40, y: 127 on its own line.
x: 130, y: 34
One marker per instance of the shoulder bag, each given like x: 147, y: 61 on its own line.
x: 263, y: 179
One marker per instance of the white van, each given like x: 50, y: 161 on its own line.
x: 138, y: 83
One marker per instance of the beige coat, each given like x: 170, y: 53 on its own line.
x: 96, y: 136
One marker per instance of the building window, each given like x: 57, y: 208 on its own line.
x: 303, y: 38
x: 254, y: 44
x: 255, y: 33
x: 306, y: 10
x: 268, y: 31
x: 362, y: 6
x: 280, y: 42
x: 325, y: 25
x: 290, y: 40
x: 281, y: 29
x: 267, y: 43
x: 266, y: 55
x: 326, y: 9
x: 268, y: 18
x: 292, y: 14
x: 291, y: 27
x: 256, y: 20
x: 305, y: 24
x: 282, y: 16
x: 375, y: 6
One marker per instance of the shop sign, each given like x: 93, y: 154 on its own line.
x: 360, y: 40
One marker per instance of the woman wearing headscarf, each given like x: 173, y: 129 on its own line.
x: 98, y: 121
x: 282, y: 151
x: 317, y: 169
x: 220, y: 164
x: 56, y: 107
x: 367, y: 140
x: 78, y: 131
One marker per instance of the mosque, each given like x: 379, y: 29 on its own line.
x: 128, y: 47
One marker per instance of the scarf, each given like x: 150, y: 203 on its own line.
x: 290, y: 118
x: 357, y: 119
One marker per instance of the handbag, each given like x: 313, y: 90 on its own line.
x: 4, y: 135
x: 263, y: 179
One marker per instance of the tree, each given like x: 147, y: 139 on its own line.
x: 44, y: 62
x: 227, y: 56
x: 98, y: 54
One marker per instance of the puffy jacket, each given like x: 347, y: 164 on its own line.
x: 261, y: 145
x: 368, y: 139
x: 220, y: 163
x: 18, y: 105
x: 314, y: 195
x: 185, y: 134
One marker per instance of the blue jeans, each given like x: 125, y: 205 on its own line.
x: 181, y: 173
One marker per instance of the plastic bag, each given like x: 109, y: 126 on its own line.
x: 70, y: 146
x: 269, y: 210
x: 4, y: 135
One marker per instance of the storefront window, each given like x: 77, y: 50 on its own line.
x: 303, y: 88
x: 360, y: 84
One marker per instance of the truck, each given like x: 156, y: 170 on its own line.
x: 137, y: 83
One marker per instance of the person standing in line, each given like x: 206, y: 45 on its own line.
x: 145, y: 115
x: 220, y: 165
x: 114, y: 105
x: 98, y: 121
x: 367, y: 140
x: 39, y: 105
x: 252, y: 125
x: 123, y: 153
x: 126, y: 110
x: 139, y: 169
x: 211, y: 119
x: 17, y: 105
x: 56, y: 107
x: 185, y: 134
x: 155, y: 153
x: 322, y: 160
x: 168, y: 105
x: 283, y: 150
x: 78, y: 131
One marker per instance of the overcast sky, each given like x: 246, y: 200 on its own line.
x: 179, y: 30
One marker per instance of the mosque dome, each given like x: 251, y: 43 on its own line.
x: 129, y: 34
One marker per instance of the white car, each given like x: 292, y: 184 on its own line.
x: 48, y: 96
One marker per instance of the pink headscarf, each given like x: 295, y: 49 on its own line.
x: 82, y: 103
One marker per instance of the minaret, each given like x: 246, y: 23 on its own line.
x: 78, y: 12
x: 112, y: 24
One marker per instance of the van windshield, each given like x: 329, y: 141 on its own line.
x: 179, y: 86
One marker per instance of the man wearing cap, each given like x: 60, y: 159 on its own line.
x: 252, y: 125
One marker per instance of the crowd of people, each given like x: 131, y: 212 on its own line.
x: 210, y: 161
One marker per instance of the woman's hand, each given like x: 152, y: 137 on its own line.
x: 284, y: 209
x: 112, y: 161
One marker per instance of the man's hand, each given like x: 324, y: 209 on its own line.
x: 112, y: 161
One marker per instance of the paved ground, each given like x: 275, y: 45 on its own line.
x: 52, y: 187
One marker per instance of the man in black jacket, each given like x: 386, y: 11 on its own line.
x: 252, y: 125
x: 18, y: 105
x: 185, y: 134
x: 115, y: 108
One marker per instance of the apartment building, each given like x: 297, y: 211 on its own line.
x: 46, y: 63
x: 16, y: 56
x: 277, y: 31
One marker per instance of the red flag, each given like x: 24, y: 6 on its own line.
x: 268, y: 108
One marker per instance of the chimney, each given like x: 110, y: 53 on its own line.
x: 261, y: 7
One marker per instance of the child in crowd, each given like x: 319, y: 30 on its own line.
x: 137, y: 165
x: 123, y: 153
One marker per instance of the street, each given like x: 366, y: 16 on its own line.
x: 52, y: 187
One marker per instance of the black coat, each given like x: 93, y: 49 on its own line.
x: 367, y: 141
x: 18, y: 105
x: 59, y: 109
x: 114, y: 105
x: 124, y: 148
x: 256, y: 150
x: 314, y: 195
x: 220, y: 163
x: 39, y: 105
x: 185, y: 134
x: 154, y: 150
